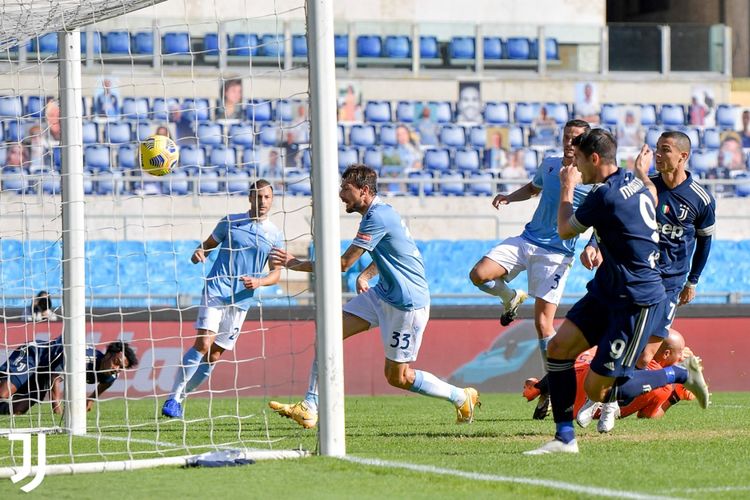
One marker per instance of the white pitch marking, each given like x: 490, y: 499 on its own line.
x: 545, y: 483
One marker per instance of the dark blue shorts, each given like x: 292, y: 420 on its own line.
x: 620, y: 331
x: 662, y: 329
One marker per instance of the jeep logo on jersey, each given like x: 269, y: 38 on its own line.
x: 673, y: 232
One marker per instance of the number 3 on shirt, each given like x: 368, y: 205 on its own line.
x: 402, y: 339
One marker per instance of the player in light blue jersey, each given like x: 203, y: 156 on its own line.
x: 539, y: 251
x: 399, y: 304
x: 244, y: 243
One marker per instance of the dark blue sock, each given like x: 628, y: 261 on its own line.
x: 643, y: 381
x: 679, y: 374
x: 562, y: 390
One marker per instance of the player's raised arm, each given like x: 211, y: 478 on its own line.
x: 363, y: 280
x: 642, y: 165
x: 570, y: 177
x: 199, y: 255
x: 520, y: 194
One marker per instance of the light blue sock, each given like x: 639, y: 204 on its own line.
x: 311, y: 397
x: 498, y: 288
x: 543, y: 343
x: 200, y: 376
x: 190, y: 362
x: 427, y: 384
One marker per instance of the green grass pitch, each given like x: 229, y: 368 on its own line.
x: 691, y: 453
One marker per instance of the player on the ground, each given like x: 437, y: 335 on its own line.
x: 625, y: 299
x: 36, y: 369
x: 650, y: 405
x: 539, y: 250
x: 685, y: 217
x: 399, y: 303
x: 244, y: 241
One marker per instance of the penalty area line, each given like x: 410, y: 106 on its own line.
x: 544, y: 483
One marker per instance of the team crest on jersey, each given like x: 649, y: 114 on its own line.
x: 683, y: 212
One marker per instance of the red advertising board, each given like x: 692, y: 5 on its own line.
x: 273, y: 358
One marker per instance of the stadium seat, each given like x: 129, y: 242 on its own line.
x: 526, y: 113
x: 270, y: 135
x: 135, y: 108
x: 369, y: 46
x: 178, y: 183
x: 117, y: 132
x: 417, y: 188
x: 405, y: 111
x: 672, y: 115
x: 272, y: 45
x: 251, y: 161
x: 373, y: 157
x: 378, y: 111
x: 388, y: 135
x: 143, y: 43
x: 347, y: 156
x: 90, y: 132
x: 285, y: 110
x: 299, y: 46
x: 726, y: 116
x: 196, y: 109
x: 34, y: 106
x: 452, y: 136
x: 298, y: 183
x: 142, y: 130
x: 51, y: 182
x: 516, y: 137
x: 96, y: 47
x: 437, y: 159
x: 478, y: 136
x: 46, y: 44
x: 530, y: 160
x: 210, y: 134
x: 544, y: 136
x: 117, y: 42
x: 428, y: 47
x: 552, y: 52
x: 108, y: 183
x: 238, y: 181
x: 161, y: 107
x: 14, y: 179
x: 11, y: 106
x: 192, y: 157
x: 742, y: 188
x: 259, y: 111
x: 648, y: 115
x: 461, y: 47
x: 466, y: 160
x: 652, y: 136
x: 558, y: 111
x: 496, y: 113
x: 442, y: 111
x: 127, y: 155
x: 483, y: 184
x: 15, y: 130
x: 451, y: 183
x: 703, y: 160
x: 341, y: 45
x: 340, y: 135
x: 96, y: 157
x: 362, y: 135
x: 243, y: 44
x: 518, y: 48
x: 208, y: 180
x: 493, y: 48
x: 224, y: 157
x: 175, y: 43
x: 711, y: 138
x: 397, y: 47
x: 242, y: 134
x: 610, y: 114
x: 693, y: 134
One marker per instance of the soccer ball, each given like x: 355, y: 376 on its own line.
x: 159, y: 155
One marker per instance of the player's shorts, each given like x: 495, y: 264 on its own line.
x: 400, y: 331
x: 225, y: 320
x: 662, y: 329
x: 20, y: 366
x: 547, y: 270
x: 620, y: 331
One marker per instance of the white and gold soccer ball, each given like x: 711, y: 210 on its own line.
x: 159, y: 155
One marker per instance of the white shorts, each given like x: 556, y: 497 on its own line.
x: 222, y: 319
x: 547, y: 270
x: 400, y: 331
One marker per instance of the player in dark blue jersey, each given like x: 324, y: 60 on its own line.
x: 625, y: 298
x: 37, y: 368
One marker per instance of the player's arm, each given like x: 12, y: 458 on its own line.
x: 200, y: 253
x: 56, y: 395
x: 591, y: 256
x: 282, y: 258
x: 520, y: 194
x: 704, y: 230
x: 100, y: 389
x: 642, y: 166
x: 569, y: 178
x: 363, y: 280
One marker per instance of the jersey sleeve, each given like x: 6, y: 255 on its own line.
x: 590, y: 211
x: 705, y: 223
x: 538, y: 180
x: 220, y: 231
x: 371, y: 231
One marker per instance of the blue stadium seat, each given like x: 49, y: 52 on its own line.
x: 96, y: 36
x: 388, y: 135
x: 478, y: 136
x: 242, y: 134
x: 397, y: 47
x: 108, y: 183
x: 672, y: 115
x: 378, y: 111
x: 461, y: 47
x: 558, y: 111
x: 544, y: 136
x: 272, y: 45
x: 493, y: 48
x: 270, y: 135
x: 178, y: 183
x: 711, y: 138
x: 526, y: 113
x: 243, y: 44
x: 483, y: 184
x: 210, y: 134
x: 15, y: 130
x: 11, y: 106
x: 143, y: 43
x: 373, y: 157
x: 127, y: 156
x: 726, y: 116
x: 552, y: 50
x: 341, y: 45
x: 453, y: 136
x: 437, y: 159
x: 142, y: 130
x: 516, y: 137
x: 652, y: 136
x: 238, y: 181
x: 46, y: 44
x: 530, y: 160
x: 702, y: 160
x: 428, y: 47
x: 369, y: 46
x: 496, y: 113
x: 347, y: 156
x: 405, y: 111
x: 196, y: 109
x: 518, y: 48
x: 451, y: 183
x: 259, y: 111
x: 416, y: 188
x: 298, y: 183
x: 117, y: 132
x: 648, y: 115
x: 175, y: 43
x: 161, y: 107
x: 466, y: 160
x: 211, y: 44
x: 90, y: 132
x: 135, y: 108
x: 208, y: 181
x: 96, y: 157
x: 442, y: 111
x: 14, y: 179
x: 117, y: 42
x: 693, y: 134
x: 340, y: 135
x: 192, y: 157
x: 34, y: 106
x: 51, y: 182
x: 285, y: 109
x: 299, y: 46
x: 223, y: 156
x: 362, y: 135
x: 251, y: 161
x: 610, y: 114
